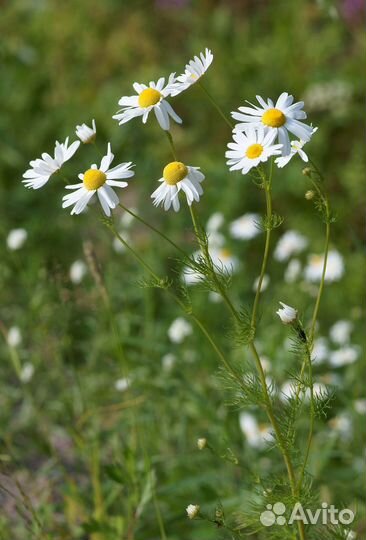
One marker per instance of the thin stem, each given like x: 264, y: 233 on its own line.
x: 206, y: 254
x: 216, y: 105
x: 312, y: 419
x: 176, y: 299
x: 164, y: 236
x: 171, y: 143
x: 267, y: 188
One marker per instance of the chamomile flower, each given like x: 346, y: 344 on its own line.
x: 193, y: 72
x: 98, y: 181
x: 280, y: 119
x: 335, y: 267
x: 43, y: 168
x: 85, y: 133
x: 177, y: 177
x: 148, y: 98
x: 250, y: 148
x: 296, y: 148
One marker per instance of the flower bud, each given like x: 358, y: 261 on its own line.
x: 306, y: 171
x: 201, y: 443
x: 309, y: 195
x: 287, y: 314
x: 192, y: 510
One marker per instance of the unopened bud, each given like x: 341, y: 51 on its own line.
x: 192, y: 510
x: 309, y: 195
x: 287, y: 314
x: 201, y: 443
x: 306, y: 171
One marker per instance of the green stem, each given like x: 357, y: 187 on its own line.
x: 176, y: 299
x: 216, y: 105
x: 267, y: 188
x: 171, y: 144
x: 154, y: 229
x: 312, y: 419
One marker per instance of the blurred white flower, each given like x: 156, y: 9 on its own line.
x: 168, y: 361
x: 215, y: 222
x: 122, y: 384
x: 344, y: 356
x: 333, y: 95
x: 16, y: 239
x: 224, y: 259
x: 266, y: 363
x: 340, y: 332
x: 26, y: 372
x: 335, y: 267
x: 265, y: 283
x: 257, y: 435
x: 127, y: 219
x: 193, y: 72
x: 320, y: 351
x: 288, y: 390
x: 77, y: 271
x: 85, y: 133
x: 291, y: 243
x: 287, y: 314
x: 360, y: 406
x: 179, y: 330
x: 342, y: 424
x: 320, y: 390
x: 42, y: 169
x: 245, y: 227
x: 292, y: 271
x: 214, y: 297
x: 192, y: 510
x: 14, y: 337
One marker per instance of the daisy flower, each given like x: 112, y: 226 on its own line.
x: 296, y: 148
x: 290, y: 243
x: 85, y: 133
x: 177, y: 177
x: 98, y: 181
x: 43, y: 168
x: 280, y: 119
x: 246, y: 226
x: 193, y: 72
x: 148, y: 98
x: 250, y: 148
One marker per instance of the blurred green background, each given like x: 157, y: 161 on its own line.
x: 76, y: 454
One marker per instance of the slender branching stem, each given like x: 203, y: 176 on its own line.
x: 267, y: 190
x: 154, y: 229
x: 189, y: 312
x: 217, y: 106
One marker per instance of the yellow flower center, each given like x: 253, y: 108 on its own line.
x: 273, y: 118
x: 254, y: 151
x: 149, y: 97
x: 174, y: 172
x: 225, y: 253
x: 94, y: 179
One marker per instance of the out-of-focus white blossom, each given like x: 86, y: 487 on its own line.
x: 77, y: 271
x: 16, y: 238
x: 179, y: 330
x: 340, y: 332
x: 290, y: 243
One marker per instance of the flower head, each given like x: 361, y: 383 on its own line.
x: 85, y: 133
x: 250, y: 148
x: 192, y: 510
x: 280, y: 119
x: 148, y: 98
x: 296, y: 148
x: 177, y: 177
x: 179, y: 330
x: 43, y: 168
x: 98, y: 181
x: 257, y: 435
x: 193, y: 72
x: 287, y: 314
